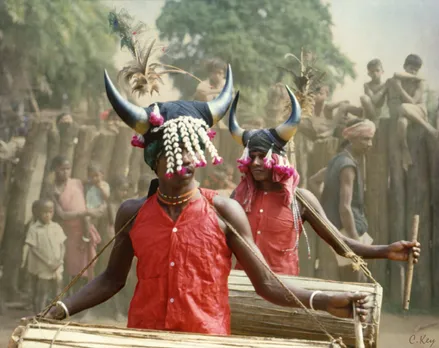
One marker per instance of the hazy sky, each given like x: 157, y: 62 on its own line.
x: 363, y: 30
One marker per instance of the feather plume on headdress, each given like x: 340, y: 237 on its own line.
x: 143, y: 73
x: 306, y: 83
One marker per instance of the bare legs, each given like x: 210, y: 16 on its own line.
x: 413, y: 113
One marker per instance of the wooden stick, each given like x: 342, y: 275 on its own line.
x: 410, y: 266
x: 359, y: 339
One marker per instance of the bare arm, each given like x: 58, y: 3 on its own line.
x: 113, y: 279
x: 347, y: 177
x: 316, y: 182
x: 25, y: 254
x: 105, y: 190
x: 366, y: 251
x: 306, y: 127
x: 99, y: 211
x: 66, y: 215
x: 332, y: 106
x: 377, y: 97
x: 407, y: 76
x: 254, y: 263
x: 265, y: 284
x: 405, y: 97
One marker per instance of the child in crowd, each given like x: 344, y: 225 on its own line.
x: 43, y: 254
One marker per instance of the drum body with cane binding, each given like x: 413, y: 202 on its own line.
x: 72, y: 335
x: 254, y: 316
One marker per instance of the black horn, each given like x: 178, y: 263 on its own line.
x: 287, y: 130
x: 218, y: 107
x: 234, y: 128
x: 134, y: 116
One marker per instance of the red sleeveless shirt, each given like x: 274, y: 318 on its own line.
x: 182, y: 269
x: 273, y: 230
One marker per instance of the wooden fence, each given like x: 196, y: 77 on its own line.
x: 392, y: 196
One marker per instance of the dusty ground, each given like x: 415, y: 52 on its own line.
x: 414, y: 331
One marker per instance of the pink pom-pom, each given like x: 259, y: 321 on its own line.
x: 211, y: 134
x: 155, y: 119
x: 200, y: 164
x: 244, y: 162
x: 243, y: 169
x: 217, y: 160
x: 277, y: 168
x: 268, y: 163
x: 182, y: 171
x: 137, y: 141
x: 169, y: 175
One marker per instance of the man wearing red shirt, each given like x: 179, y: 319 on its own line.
x: 179, y: 236
x: 267, y: 194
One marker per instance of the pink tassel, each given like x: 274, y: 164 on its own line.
x: 182, y: 171
x: 243, y: 168
x: 137, y: 141
x: 169, y: 175
x: 245, y: 158
x: 200, y: 164
x: 217, y: 160
x: 155, y: 118
x: 268, y: 159
x: 211, y: 134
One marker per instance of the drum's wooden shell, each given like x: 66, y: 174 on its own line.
x: 254, y: 316
x: 73, y: 335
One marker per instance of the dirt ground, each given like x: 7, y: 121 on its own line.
x: 396, y: 331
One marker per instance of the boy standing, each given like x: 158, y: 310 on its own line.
x: 44, y: 252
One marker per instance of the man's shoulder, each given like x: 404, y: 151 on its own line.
x: 131, y: 206
x: 226, y: 205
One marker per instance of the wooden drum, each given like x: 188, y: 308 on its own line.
x: 73, y: 335
x: 254, y: 316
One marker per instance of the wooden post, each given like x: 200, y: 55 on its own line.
x: 324, y: 258
x: 103, y: 151
x: 120, y: 160
x: 397, y: 208
x: 303, y: 147
x: 376, y: 199
x: 81, y: 160
x: 136, y: 160
x: 68, y: 140
x: 52, y: 151
x: 37, y: 176
x: 15, y: 219
x: 434, y: 160
x: 418, y: 203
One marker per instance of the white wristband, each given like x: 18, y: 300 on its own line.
x: 64, y: 307
x: 312, y: 298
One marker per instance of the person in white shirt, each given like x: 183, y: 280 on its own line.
x: 43, y: 255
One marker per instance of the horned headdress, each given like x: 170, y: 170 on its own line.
x: 172, y: 123
x: 269, y: 141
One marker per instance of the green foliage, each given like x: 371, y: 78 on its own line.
x: 252, y: 35
x: 55, y: 47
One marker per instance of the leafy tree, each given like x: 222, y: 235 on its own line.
x: 253, y: 36
x: 49, y: 48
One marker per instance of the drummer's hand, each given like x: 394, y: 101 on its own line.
x: 400, y: 251
x: 340, y: 305
x: 54, y: 313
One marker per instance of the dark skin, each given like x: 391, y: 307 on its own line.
x: 113, y: 279
x: 398, y: 251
